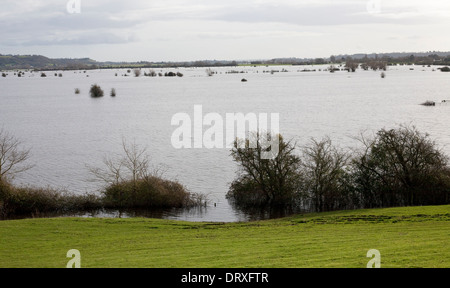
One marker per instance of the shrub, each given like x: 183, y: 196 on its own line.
x: 170, y: 74
x: 77, y: 91
x: 43, y: 75
x: 3, y: 75
x: 151, y: 73
x: 113, y: 92
x: 445, y: 69
x: 35, y: 201
x: 129, y: 184
x: 5, y: 192
x: 137, y: 72
x: 96, y: 91
x: 429, y: 103
x: 149, y: 192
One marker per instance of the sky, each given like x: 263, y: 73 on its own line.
x: 189, y: 30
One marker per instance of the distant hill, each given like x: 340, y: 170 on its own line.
x: 38, y: 62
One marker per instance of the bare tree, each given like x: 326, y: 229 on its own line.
x: 136, y: 161
x: 324, y: 175
x: 12, y: 156
x: 133, y: 165
x: 111, y: 174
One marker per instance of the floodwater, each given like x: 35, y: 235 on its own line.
x: 67, y: 132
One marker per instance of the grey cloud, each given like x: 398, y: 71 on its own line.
x: 349, y: 14
x: 83, y: 39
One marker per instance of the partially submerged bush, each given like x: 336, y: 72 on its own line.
x: 130, y: 184
x: 428, y: 103
x: 170, y: 74
x: 151, y: 73
x: 35, y: 201
x: 445, y: 69
x: 96, y: 91
x: 77, y: 91
x: 150, y: 192
x: 113, y: 92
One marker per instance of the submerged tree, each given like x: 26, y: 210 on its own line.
x: 96, y: 91
x: 401, y: 167
x: 324, y: 176
x: 12, y: 157
x: 262, y: 181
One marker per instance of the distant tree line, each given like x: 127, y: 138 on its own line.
x: 38, y: 63
x: 397, y: 167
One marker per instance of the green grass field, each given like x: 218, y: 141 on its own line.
x: 405, y: 237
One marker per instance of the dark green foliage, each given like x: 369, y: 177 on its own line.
x: 428, y: 103
x: 96, y: 91
x: 170, y: 74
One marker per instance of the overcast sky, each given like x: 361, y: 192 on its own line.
x: 176, y: 30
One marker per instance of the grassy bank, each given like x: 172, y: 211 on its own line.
x: 406, y: 237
